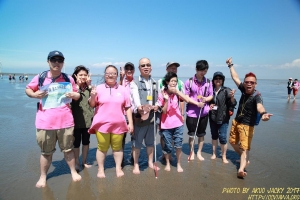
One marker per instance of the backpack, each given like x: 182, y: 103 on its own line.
x: 43, y: 75
x: 191, y: 82
x: 258, y: 115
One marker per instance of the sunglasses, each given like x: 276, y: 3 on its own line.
x: 54, y: 60
x: 218, y: 78
x: 144, y: 65
x: 110, y: 74
x: 249, y: 82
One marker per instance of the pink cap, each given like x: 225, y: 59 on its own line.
x: 290, y: 78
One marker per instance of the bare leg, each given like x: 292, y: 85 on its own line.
x: 224, y: 150
x: 162, y: 144
x: 200, y: 146
x: 85, y: 151
x: 168, y: 166
x: 178, y: 155
x: 70, y: 159
x: 136, y: 155
x: 76, y: 154
x: 118, y: 156
x: 236, y: 148
x: 45, y: 162
x: 214, y: 148
x: 191, y: 144
x: 244, y: 160
x: 100, y: 156
x: 150, y: 151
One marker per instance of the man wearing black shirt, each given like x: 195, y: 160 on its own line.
x: 250, y: 105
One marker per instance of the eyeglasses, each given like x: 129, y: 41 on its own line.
x: 144, y: 65
x: 129, y: 68
x: 110, y: 74
x: 54, y: 60
x: 249, y: 82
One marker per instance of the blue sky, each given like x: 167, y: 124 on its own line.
x: 262, y: 36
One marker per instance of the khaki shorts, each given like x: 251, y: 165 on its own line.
x: 46, y: 139
x: 241, y: 134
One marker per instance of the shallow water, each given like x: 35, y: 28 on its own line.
x: 274, y: 159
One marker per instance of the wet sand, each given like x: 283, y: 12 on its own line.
x: 274, y: 159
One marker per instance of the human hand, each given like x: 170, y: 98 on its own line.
x: 94, y: 91
x: 165, y: 95
x: 155, y: 108
x: 88, y: 79
x: 78, y: 80
x: 211, y: 106
x: 231, y: 94
x: 122, y: 73
x: 266, y: 116
x: 130, y: 128
x: 40, y: 94
x: 173, y: 90
x: 229, y: 61
x: 200, y: 104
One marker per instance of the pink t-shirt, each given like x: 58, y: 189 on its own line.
x: 109, y: 113
x: 54, y: 118
x: 173, y: 118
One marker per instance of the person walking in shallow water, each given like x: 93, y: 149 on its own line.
x: 250, y: 105
x: 290, y: 87
x: 295, y: 86
x: 54, y: 124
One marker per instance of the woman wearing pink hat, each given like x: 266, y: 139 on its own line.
x: 296, y: 86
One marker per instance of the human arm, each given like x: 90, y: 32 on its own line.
x: 122, y: 75
x: 265, y: 116
x: 233, y: 73
x: 187, y: 99
x: 35, y: 94
x: 130, y: 120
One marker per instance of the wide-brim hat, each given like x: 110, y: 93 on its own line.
x: 290, y: 78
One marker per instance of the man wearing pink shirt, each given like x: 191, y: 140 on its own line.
x: 54, y: 123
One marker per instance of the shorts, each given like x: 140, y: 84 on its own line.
x: 241, y: 134
x: 169, y: 135
x: 109, y: 139
x: 81, y: 134
x: 219, y: 131
x: 295, y: 92
x: 191, y: 124
x: 290, y: 90
x: 46, y: 140
x: 141, y: 133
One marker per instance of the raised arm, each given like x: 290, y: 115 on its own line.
x: 233, y: 73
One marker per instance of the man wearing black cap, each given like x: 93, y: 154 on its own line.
x: 171, y: 67
x: 56, y: 123
x: 198, y: 88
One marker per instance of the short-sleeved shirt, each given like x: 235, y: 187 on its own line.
x: 247, y: 110
x: 172, y: 118
x: 54, y: 118
x: 82, y: 112
x: 109, y: 112
x: 197, y: 89
x: 133, y: 93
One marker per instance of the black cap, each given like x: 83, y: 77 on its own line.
x: 219, y: 74
x: 129, y: 64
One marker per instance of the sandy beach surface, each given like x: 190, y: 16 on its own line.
x: 274, y: 168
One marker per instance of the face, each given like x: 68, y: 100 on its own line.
x: 82, y: 75
x: 145, y: 67
x: 111, y: 75
x: 129, y: 71
x: 218, y: 81
x: 172, y: 68
x: 173, y: 82
x: 250, y: 84
x: 56, y: 63
x: 201, y: 73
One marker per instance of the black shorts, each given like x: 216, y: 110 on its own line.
x: 191, y: 124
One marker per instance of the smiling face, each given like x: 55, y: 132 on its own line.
x: 111, y: 75
x: 56, y: 64
x: 172, y: 68
x: 145, y: 67
x: 249, y: 84
x: 218, y: 81
x: 129, y: 71
x: 82, y: 75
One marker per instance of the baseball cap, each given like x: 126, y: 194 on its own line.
x: 55, y: 53
x: 129, y: 64
x: 219, y: 74
x: 172, y: 63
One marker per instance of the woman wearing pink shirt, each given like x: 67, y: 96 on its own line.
x: 110, y: 100
x: 171, y: 118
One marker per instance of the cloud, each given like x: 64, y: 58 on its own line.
x: 293, y: 64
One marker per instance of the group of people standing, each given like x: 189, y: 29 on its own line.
x: 142, y: 107
x: 293, y: 86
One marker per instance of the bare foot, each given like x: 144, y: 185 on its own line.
x: 42, y: 182
x: 213, y: 157
x: 192, y: 157
x: 199, y: 156
x: 168, y: 168
x: 76, y: 176
x: 179, y: 168
x: 119, y: 172
x: 152, y: 166
x: 86, y: 165
x: 136, y: 170
x: 241, y: 174
x: 101, y: 174
x: 225, y: 160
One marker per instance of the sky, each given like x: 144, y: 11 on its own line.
x: 261, y: 36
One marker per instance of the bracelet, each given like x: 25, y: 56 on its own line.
x: 263, y: 113
x: 230, y: 65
